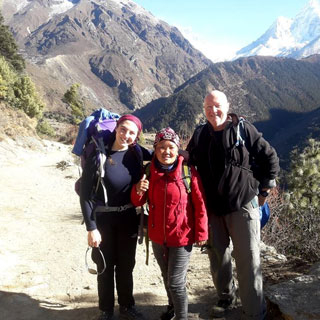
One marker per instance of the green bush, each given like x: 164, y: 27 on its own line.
x: 19, y: 91
x: 75, y: 102
x: 44, y: 128
x: 26, y: 97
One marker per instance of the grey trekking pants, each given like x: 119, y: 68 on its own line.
x: 243, y: 227
x: 173, y: 263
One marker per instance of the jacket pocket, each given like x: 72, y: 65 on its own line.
x: 237, y: 185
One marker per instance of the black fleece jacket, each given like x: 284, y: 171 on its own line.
x: 231, y: 176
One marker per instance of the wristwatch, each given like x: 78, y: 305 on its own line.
x: 264, y: 193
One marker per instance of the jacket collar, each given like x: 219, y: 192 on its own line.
x: 172, y: 173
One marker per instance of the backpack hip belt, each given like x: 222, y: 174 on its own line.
x: 106, y: 208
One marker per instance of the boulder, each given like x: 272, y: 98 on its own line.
x: 298, y: 298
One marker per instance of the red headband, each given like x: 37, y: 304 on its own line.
x: 132, y: 118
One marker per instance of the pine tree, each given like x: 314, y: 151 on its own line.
x: 75, y: 102
x: 26, y: 97
x: 304, y: 178
x: 7, y: 78
x: 303, y: 210
x: 8, y: 47
x: 19, y: 91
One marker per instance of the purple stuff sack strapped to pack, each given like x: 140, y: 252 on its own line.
x: 99, y: 125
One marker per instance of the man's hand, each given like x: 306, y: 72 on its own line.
x: 201, y: 243
x: 262, y: 197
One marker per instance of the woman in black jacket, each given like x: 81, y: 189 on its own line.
x: 112, y: 225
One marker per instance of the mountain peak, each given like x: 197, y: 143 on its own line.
x: 61, y: 6
x: 314, y: 4
x: 289, y: 37
x: 136, y: 8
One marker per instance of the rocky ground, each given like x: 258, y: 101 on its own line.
x: 43, y: 244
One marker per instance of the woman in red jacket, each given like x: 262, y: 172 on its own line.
x: 177, y: 219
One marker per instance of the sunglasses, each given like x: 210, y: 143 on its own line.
x: 91, y: 270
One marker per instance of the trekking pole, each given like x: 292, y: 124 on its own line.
x: 147, y: 248
x: 140, y: 231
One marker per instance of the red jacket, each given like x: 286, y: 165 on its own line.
x: 175, y: 218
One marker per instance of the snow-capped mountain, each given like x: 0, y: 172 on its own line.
x: 297, y: 38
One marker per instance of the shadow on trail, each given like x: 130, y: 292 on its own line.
x: 20, y: 306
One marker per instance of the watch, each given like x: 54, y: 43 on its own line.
x: 264, y: 193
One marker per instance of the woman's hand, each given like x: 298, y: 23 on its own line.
x: 143, y: 185
x: 94, y: 238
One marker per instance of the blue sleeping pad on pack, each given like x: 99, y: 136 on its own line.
x: 264, y: 214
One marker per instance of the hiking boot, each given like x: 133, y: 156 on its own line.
x: 169, y: 314
x: 222, y: 307
x: 105, y: 316
x: 130, y: 313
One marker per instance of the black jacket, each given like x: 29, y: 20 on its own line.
x: 118, y: 179
x: 231, y: 175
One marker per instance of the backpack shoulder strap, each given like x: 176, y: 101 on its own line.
x: 102, y: 158
x: 186, y: 176
x: 147, y: 170
x: 238, y: 124
x: 240, y: 132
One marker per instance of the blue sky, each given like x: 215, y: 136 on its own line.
x: 219, y: 28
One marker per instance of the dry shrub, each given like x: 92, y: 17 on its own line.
x: 292, y: 233
x: 70, y: 135
x: 15, y: 123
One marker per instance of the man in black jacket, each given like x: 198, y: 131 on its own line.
x: 238, y: 168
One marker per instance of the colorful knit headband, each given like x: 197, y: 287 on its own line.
x: 167, y: 134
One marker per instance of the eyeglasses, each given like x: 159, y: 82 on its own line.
x: 91, y: 270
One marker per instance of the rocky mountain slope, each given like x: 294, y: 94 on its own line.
x: 122, y: 55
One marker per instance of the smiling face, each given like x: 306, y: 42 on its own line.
x: 166, y: 152
x: 216, y: 107
x: 126, y: 134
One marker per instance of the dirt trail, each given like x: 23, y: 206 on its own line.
x: 42, y: 245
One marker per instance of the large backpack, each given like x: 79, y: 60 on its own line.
x: 94, y: 131
x: 93, y: 135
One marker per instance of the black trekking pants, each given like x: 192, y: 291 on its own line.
x: 119, y: 240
